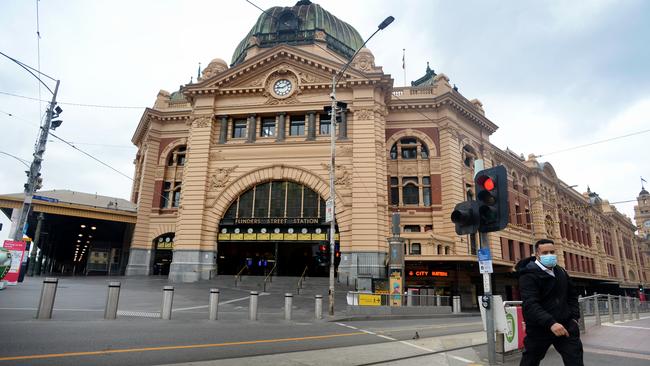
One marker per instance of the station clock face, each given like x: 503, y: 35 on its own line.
x: 282, y: 87
x: 647, y: 223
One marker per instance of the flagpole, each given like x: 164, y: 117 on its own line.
x: 404, y: 64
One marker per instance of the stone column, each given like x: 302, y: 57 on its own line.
x: 343, y: 126
x: 281, y: 126
x: 311, y: 126
x: 252, y: 123
x: 141, y: 252
x: 223, y: 132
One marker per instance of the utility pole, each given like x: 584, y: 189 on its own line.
x: 33, y: 173
x: 488, y: 304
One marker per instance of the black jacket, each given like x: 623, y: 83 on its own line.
x: 546, y: 299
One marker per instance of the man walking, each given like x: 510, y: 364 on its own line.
x: 550, y: 307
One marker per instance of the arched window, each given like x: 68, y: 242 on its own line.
x: 469, y: 155
x: 408, y: 148
x: 410, y: 191
x: 515, y: 182
x: 177, y: 156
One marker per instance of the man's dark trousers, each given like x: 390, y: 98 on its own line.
x: 538, y: 341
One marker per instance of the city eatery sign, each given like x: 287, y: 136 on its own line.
x: 426, y: 273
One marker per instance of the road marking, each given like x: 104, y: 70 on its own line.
x: 386, y: 337
x: 617, y: 353
x: 625, y: 326
x: 461, y: 359
x: 428, y: 327
x: 167, y: 348
x: 221, y: 303
x: 416, y: 346
x: 368, y: 332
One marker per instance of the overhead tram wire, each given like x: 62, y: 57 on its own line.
x: 593, y: 143
x: 75, y: 104
x: 25, y: 162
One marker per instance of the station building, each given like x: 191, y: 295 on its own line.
x: 232, y: 173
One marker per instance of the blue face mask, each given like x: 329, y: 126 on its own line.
x: 548, y: 260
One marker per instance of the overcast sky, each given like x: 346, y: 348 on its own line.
x: 551, y: 75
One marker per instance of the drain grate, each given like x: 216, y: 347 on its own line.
x: 138, y: 314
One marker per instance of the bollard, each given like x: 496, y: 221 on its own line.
x: 48, y: 293
x: 610, y: 308
x: 636, y: 308
x: 629, y: 308
x: 253, y: 306
x: 112, y: 299
x: 438, y: 300
x: 319, y: 306
x: 456, y: 305
x: 168, y: 299
x: 621, y: 310
x: 597, y: 310
x: 214, y: 303
x: 588, y: 307
x: 288, y: 303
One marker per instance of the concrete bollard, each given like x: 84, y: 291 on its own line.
x: 252, y: 307
x: 456, y: 305
x: 621, y: 309
x: 319, y: 306
x: 610, y: 308
x: 112, y: 299
x: 48, y: 293
x: 288, y: 303
x: 214, y: 303
x: 168, y: 299
x: 597, y: 310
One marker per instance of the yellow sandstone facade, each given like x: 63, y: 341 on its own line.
x: 235, y: 168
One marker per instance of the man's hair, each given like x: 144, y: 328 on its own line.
x: 543, y: 241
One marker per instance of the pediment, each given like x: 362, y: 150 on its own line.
x: 304, y: 69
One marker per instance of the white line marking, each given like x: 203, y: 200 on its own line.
x: 341, y: 324
x: 191, y: 308
x: 461, y: 359
x: 386, y: 337
x: 625, y: 326
x: 416, y: 346
x: 351, y: 327
x: 367, y: 332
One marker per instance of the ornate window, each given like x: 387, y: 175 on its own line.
x: 408, y: 148
x: 410, y: 191
x: 394, y: 191
x: 416, y: 249
x: 171, y: 195
x: 426, y: 191
x: 413, y: 193
x: 325, y: 124
x: 411, y: 228
x: 277, y: 199
x: 469, y: 155
x: 297, y: 126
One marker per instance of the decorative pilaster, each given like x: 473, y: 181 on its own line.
x: 223, y: 131
x: 311, y: 126
x: 343, y: 126
x: 281, y: 127
x: 252, y: 124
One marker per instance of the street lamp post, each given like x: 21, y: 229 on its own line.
x: 33, y: 174
x: 335, y: 78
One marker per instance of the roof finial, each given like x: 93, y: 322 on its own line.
x: 455, y: 87
x: 643, y: 180
x: 198, y: 74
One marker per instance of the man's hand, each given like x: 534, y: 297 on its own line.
x: 559, y: 330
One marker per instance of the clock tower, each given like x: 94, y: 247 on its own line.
x: 642, y: 213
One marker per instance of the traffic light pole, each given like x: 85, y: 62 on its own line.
x: 35, y: 168
x: 332, y: 195
x: 488, y: 305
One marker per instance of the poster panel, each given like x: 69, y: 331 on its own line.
x: 17, y: 249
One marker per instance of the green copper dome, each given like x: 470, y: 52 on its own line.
x: 300, y: 25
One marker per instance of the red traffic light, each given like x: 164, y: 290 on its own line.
x: 486, y: 182
x: 322, y: 248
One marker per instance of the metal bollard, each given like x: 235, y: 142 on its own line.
x: 112, y: 299
x: 253, y: 306
x: 48, y: 293
x: 319, y: 306
x: 629, y: 309
x: 621, y: 309
x: 214, y: 303
x: 168, y: 299
x: 438, y: 300
x: 288, y: 303
x: 597, y: 310
x: 456, y: 305
x: 636, y: 308
x: 610, y: 308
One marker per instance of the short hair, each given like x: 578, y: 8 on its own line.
x: 543, y: 241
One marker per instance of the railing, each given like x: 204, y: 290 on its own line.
x: 238, y: 275
x: 609, y: 309
x: 301, y: 280
x: 384, y: 299
x: 269, y: 277
x: 412, y: 91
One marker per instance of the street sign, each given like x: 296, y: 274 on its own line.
x: 46, y: 199
x: 485, y: 266
x: 484, y: 254
x: 329, y: 210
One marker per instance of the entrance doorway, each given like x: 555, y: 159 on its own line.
x: 163, y: 254
x: 259, y: 258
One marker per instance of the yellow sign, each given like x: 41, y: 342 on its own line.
x: 224, y: 236
x: 369, y: 300
x: 237, y: 237
x: 250, y: 236
x: 318, y: 236
x: 304, y: 236
x: 263, y: 236
x: 278, y: 236
x: 395, y: 289
x: 290, y: 236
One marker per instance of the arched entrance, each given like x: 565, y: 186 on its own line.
x: 276, y: 222
x: 162, y: 259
